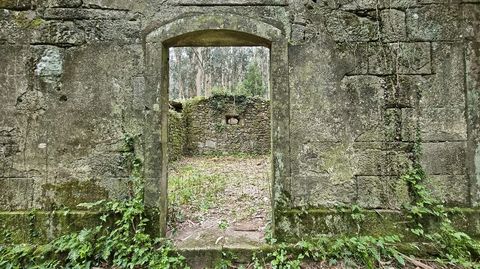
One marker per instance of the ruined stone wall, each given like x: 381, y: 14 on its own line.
x: 378, y: 72
x: 177, y: 135
x: 371, y: 78
x: 364, y: 78
x: 227, y: 125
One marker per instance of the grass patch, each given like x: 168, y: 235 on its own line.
x: 191, y: 190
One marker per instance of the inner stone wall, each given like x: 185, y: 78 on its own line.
x: 177, y: 135
x: 365, y: 77
x: 227, y: 125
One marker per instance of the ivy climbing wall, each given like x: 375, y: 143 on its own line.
x: 227, y: 125
x: 219, y: 125
x: 366, y: 81
x: 398, y: 77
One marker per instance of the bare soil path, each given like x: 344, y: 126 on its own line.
x: 219, y: 201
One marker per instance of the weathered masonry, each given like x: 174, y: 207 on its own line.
x: 354, y: 85
x: 220, y: 125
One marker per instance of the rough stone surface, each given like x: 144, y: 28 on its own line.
x: 86, y: 14
x: 231, y: 2
x: 409, y: 124
x: 408, y: 90
x: 58, y: 33
x: 361, y: 5
x: 444, y: 158
x: 50, y: 65
x: 472, y: 61
x: 381, y: 59
x: 382, y: 192
x: 114, y: 4
x: 393, y: 25
x: 177, y: 135
x: 18, y: 27
x: 413, y: 58
x: 62, y: 3
x: 442, y: 102
x: 471, y: 21
x: 434, y: 22
x: 15, y: 4
x: 17, y: 194
x: 374, y: 161
x: 346, y: 26
x: 118, y: 31
x: 364, y: 106
x: 449, y: 189
x: 356, y: 53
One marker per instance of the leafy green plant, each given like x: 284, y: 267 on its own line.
x: 121, y: 240
x: 281, y: 257
x: 253, y: 84
x: 190, y: 190
x: 221, y: 103
x: 452, y: 245
x: 216, y: 90
x: 226, y: 261
x: 31, y: 224
x: 5, y: 233
x: 220, y: 127
x: 223, y: 224
x: 353, y: 251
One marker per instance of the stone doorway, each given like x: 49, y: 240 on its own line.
x: 210, y: 30
x: 219, y: 146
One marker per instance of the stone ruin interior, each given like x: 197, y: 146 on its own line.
x: 219, y: 186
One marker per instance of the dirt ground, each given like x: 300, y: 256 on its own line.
x: 219, y: 201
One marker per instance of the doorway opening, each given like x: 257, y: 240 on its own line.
x: 210, y: 30
x: 219, y: 146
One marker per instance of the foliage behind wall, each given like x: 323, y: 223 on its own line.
x: 200, y: 71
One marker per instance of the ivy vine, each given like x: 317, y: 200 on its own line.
x: 121, y: 240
